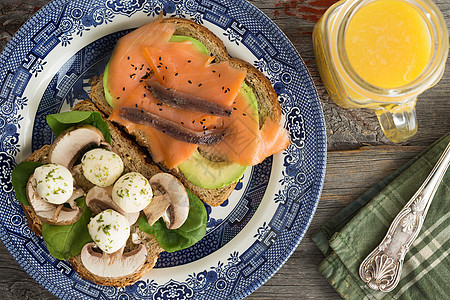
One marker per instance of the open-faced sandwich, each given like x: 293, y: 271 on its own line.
x: 173, y: 120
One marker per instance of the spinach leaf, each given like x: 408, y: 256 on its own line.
x: 19, y: 178
x: 65, y: 241
x: 192, y: 231
x: 60, y: 122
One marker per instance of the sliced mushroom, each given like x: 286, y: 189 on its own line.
x: 170, y: 201
x: 117, y: 264
x: 71, y: 143
x: 99, y: 199
x: 54, y: 214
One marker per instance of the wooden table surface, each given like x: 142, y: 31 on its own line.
x: 358, y: 153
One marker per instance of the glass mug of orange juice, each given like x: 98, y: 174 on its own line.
x: 381, y: 54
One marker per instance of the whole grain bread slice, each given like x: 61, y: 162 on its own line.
x: 134, y: 160
x: 268, y: 106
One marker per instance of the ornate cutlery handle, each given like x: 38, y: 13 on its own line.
x: 382, y: 268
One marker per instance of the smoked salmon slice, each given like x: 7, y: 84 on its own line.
x: 163, y: 147
x: 189, y: 71
x: 246, y: 144
x: 128, y: 64
x: 146, y: 55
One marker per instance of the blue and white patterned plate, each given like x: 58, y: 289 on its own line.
x: 46, y: 68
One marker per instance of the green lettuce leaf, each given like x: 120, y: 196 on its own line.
x: 66, y: 241
x: 19, y: 178
x: 61, y: 121
x: 192, y: 231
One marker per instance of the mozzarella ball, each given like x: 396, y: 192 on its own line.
x: 101, y: 167
x: 132, y: 192
x: 53, y: 183
x: 109, y: 230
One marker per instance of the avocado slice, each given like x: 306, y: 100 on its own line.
x: 108, y: 95
x: 208, y: 174
x: 182, y: 38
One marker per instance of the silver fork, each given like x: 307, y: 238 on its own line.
x: 382, y: 267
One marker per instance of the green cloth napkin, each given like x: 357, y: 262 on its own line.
x: 347, y: 238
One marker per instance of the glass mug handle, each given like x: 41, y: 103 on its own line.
x: 398, y: 122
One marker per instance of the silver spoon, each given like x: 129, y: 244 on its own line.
x: 382, y: 268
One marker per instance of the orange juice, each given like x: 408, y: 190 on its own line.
x: 388, y: 43
x: 380, y: 55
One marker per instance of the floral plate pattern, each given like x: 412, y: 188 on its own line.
x: 46, y: 69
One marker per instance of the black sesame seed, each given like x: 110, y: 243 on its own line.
x: 165, y: 67
x: 118, y: 97
x: 159, y: 58
x: 128, y: 58
x: 244, y: 115
x: 204, y: 120
x: 219, y: 74
x: 141, y: 80
x: 132, y: 65
x: 123, y: 89
x: 189, y: 61
x: 226, y: 91
x: 182, y: 123
x: 213, y: 71
x: 201, y: 122
x: 164, y: 77
x: 193, y: 122
x: 176, y: 74
x: 223, y: 88
x: 136, y: 105
x: 199, y: 85
x: 142, y: 111
x: 158, y: 67
x: 160, y: 109
x: 145, y: 95
x: 164, y: 131
x: 234, y: 108
x: 190, y: 82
